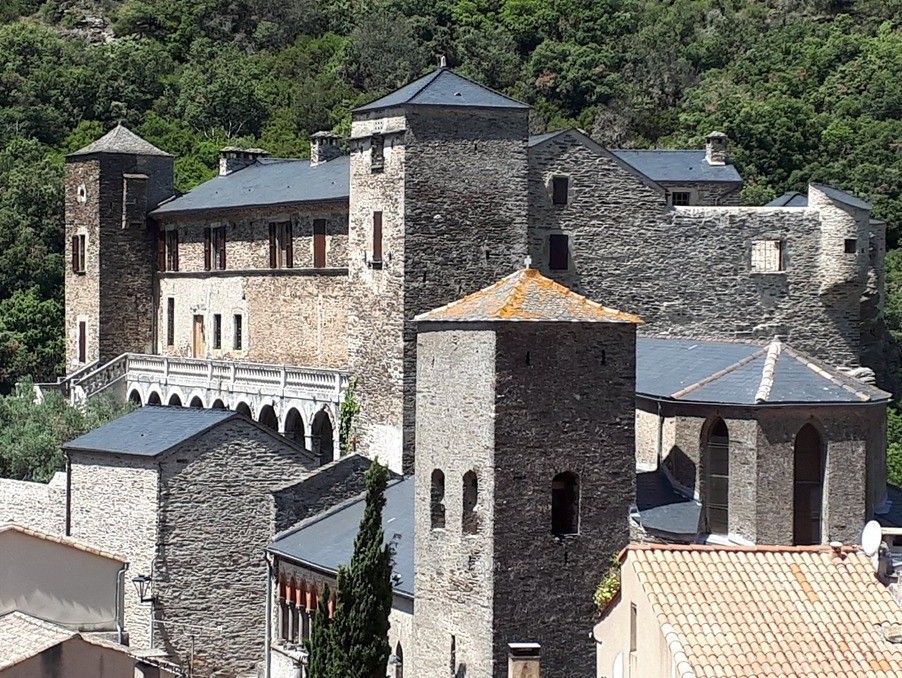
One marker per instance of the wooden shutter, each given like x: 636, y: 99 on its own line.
x: 75, y: 244
x: 272, y: 245
x: 208, y: 262
x: 377, y: 236
x: 161, y: 250
x: 222, y: 248
x: 319, y: 243
x: 289, y: 245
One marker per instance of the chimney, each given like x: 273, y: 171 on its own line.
x: 324, y: 146
x: 716, y: 148
x: 232, y: 159
x: 523, y: 660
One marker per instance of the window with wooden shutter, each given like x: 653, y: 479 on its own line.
x: 78, y: 253
x: 172, y: 250
x: 207, y: 246
x: 75, y: 253
x: 377, y: 237
x: 319, y: 243
x: 218, y: 248
x: 289, y: 245
x: 272, y: 245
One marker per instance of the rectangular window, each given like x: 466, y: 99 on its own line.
x: 767, y: 256
x: 377, y: 236
x: 172, y: 250
x: 217, y: 331
x: 82, y: 342
x: 319, y: 243
x: 215, y: 249
x: 78, y: 253
x: 170, y: 321
x: 634, y: 627
x: 558, y: 252
x: 237, y: 338
x: 559, y: 188
x: 377, y: 153
x: 681, y: 198
x: 281, y: 245
x: 851, y: 245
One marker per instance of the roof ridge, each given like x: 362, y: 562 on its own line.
x: 717, y: 375
x: 428, y: 81
x: 767, y: 374
x: 479, y: 84
x: 739, y: 548
x: 59, y: 539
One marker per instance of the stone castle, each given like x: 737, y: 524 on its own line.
x: 542, y: 434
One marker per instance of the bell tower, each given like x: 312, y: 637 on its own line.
x: 524, y: 474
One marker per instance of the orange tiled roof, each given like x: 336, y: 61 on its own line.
x: 769, y: 611
x: 527, y: 295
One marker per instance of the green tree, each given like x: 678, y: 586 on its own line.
x: 320, y: 646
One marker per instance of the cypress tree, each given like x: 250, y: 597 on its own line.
x: 320, y: 650
x: 360, y: 626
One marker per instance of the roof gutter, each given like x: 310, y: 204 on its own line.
x: 157, y: 215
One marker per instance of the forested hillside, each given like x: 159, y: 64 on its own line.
x: 806, y: 89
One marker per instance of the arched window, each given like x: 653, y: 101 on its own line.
x: 135, y: 398
x: 399, y: 661
x: 470, y: 522
x: 437, y: 499
x: 321, y: 433
x: 808, y: 487
x: 268, y: 417
x: 717, y: 505
x: 565, y: 503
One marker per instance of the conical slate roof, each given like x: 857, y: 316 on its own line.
x: 443, y: 87
x: 123, y: 141
x: 527, y: 295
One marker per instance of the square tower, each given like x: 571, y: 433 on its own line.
x: 437, y: 210
x: 524, y: 474
x: 111, y: 185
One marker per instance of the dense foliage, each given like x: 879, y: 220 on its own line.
x: 32, y: 434
x: 354, y: 643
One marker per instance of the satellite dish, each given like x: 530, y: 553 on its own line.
x: 871, y: 537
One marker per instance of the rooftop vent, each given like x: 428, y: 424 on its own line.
x: 232, y: 158
x: 324, y: 146
x: 716, y: 148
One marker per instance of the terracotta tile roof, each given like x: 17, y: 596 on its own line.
x: 527, y: 295
x: 23, y: 636
x: 769, y: 610
x: 65, y: 541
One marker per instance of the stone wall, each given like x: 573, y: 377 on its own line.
x: 549, y: 420
x: 113, y: 506
x: 39, y: 506
x: 216, y: 518
x: 687, y: 270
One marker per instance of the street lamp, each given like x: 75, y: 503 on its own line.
x: 142, y: 586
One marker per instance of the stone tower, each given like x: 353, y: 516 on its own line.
x: 524, y: 474
x: 111, y: 185
x: 438, y: 209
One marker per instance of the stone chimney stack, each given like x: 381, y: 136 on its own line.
x: 716, y: 148
x: 324, y: 146
x: 523, y: 660
x: 232, y: 159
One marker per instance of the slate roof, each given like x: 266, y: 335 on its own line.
x: 526, y: 295
x: 327, y: 540
x: 795, y: 199
x: 663, y: 510
x: 768, y: 610
x: 443, y: 87
x: 689, y: 370
x: 678, y: 166
x: 65, y: 541
x: 269, y: 181
x: 149, y: 431
x: 121, y: 140
x: 23, y: 636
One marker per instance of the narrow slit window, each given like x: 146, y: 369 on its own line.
x: 377, y: 236
x: 558, y: 252
x: 172, y: 250
x: 438, y: 499
x: 559, y: 189
x: 470, y: 520
x: 377, y: 152
x: 767, y: 256
x: 237, y: 338
x: 217, y: 331
x: 78, y: 253
x: 82, y: 342
x: 319, y: 243
x: 170, y: 321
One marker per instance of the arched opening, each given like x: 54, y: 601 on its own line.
x: 321, y: 437
x: 470, y: 520
x: 717, y: 504
x: 135, y: 398
x: 243, y: 408
x: 154, y: 399
x: 438, y: 499
x: 218, y: 405
x: 268, y: 417
x: 808, y: 487
x: 174, y: 400
x: 565, y: 503
x: 197, y: 403
x: 399, y: 661
x: 294, y: 427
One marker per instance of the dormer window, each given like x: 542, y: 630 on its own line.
x: 559, y: 189
x: 681, y: 198
x: 377, y: 153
